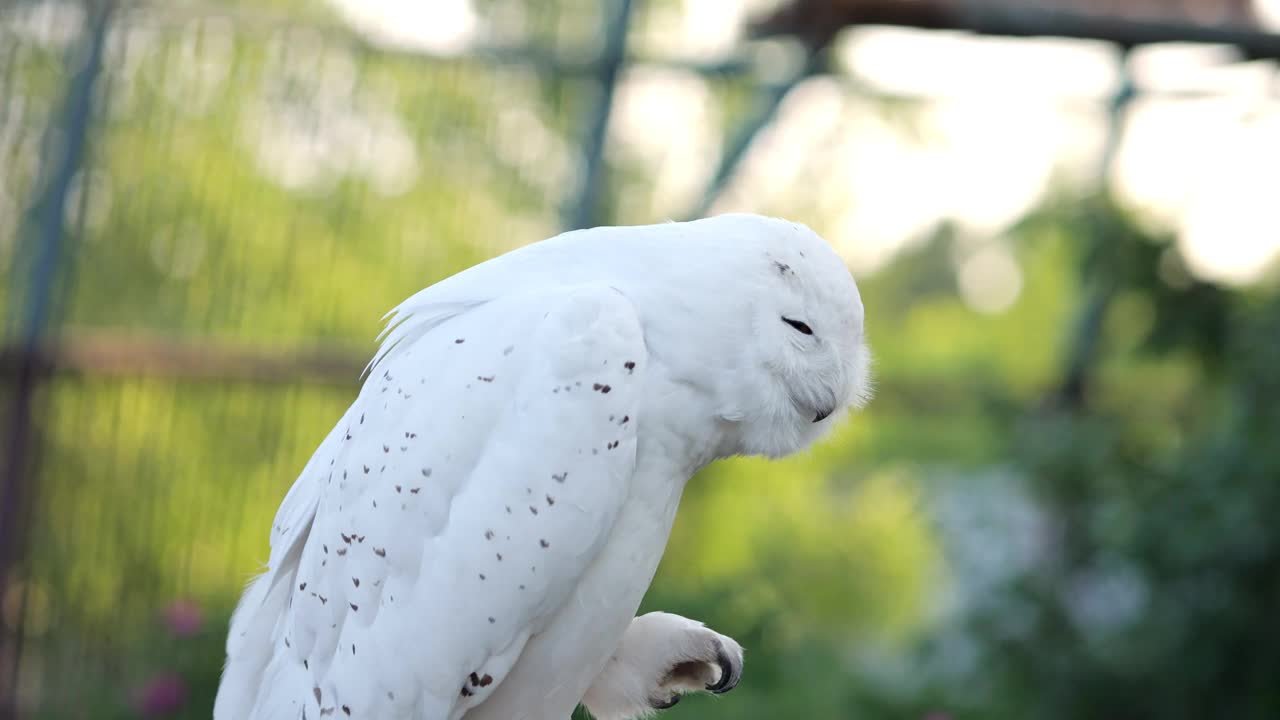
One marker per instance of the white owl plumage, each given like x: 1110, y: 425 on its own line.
x: 475, y: 535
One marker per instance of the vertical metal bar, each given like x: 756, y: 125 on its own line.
x: 766, y: 109
x: 1100, y: 287
x: 43, y: 237
x: 585, y: 211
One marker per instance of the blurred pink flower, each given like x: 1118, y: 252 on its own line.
x: 184, y: 618
x: 162, y: 695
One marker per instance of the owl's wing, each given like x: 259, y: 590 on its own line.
x: 448, y: 516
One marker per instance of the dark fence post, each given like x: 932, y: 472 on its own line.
x: 585, y: 211
x: 44, y: 260
x: 1082, y: 344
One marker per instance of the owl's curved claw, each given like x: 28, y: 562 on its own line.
x: 729, y: 673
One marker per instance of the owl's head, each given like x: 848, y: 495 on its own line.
x: 807, y: 360
x: 760, y: 317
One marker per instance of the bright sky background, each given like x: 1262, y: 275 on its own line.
x: 1005, y: 119
x: 1011, y: 116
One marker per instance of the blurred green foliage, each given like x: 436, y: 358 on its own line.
x: 975, y: 544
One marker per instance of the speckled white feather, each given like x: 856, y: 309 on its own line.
x: 474, y: 536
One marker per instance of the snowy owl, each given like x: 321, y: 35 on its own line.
x: 474, y: 537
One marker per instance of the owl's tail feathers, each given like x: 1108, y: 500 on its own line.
x: 256, y: 685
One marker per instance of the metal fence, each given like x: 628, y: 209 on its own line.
x: 201, y: 210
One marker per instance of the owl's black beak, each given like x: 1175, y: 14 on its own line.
x: 822, y: 415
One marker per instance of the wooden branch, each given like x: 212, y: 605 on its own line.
x: 818, y: 21
x: 118, y: 355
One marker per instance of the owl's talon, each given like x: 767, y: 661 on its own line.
x: 662, y: 657
x: 729, y: 674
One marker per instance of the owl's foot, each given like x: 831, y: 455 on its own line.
x: 661, y: 657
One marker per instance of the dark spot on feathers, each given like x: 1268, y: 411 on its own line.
x: 380, y: 552
x: 488, y: 534
x: 783, y: 268
x: 533, y: 510
x: 322, y: 599
x: 403, y: 448
x: 359, y: 538
x: 544, y: 543
x: 386, y: 448
x: 486, y: 677
x: 481, y: 576
x: 508, y: 509
x: 486, y: 378
x: 508, y: 349
x: 397, y: 488
x: 366, y: 469
x: 459, y: 341
x: 316, y: 692
x: 306, y: 665
x: 559, y: 478
x: 415, y: 491
x: 342, y: 551
x: 303, y: 586
x: 375, y: 503
x: 345, y: 538
x: 353, y: 648
x: 474, y: 678
x: 346, y: 709
x: 466, y: 692
x: 326, y: 549
x: 287, y: 643
x: 426, y: 472
x: 355, y: 581
x: 630, y: 366
x: 551, y: 500
x: 521, y: 587
x: 361, y: 418
x: 499, y: 557
x: 354, y: 607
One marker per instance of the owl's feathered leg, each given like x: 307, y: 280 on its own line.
x: 661, y: 657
